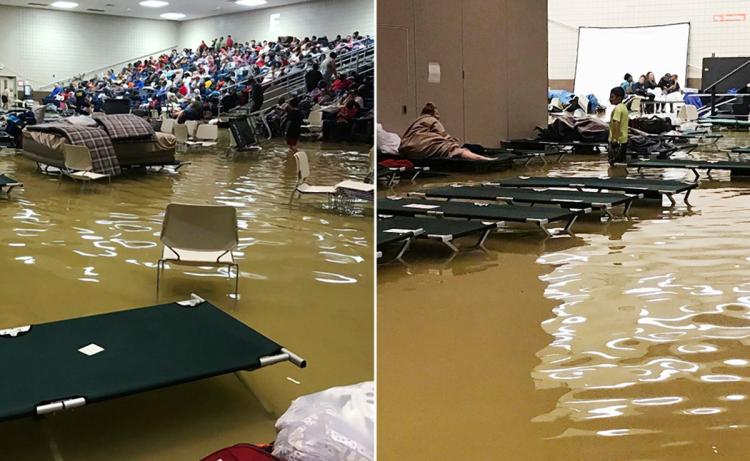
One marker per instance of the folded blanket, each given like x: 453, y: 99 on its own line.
x: 80, y: 120
x: 126, y: 126
x: 103, y: 158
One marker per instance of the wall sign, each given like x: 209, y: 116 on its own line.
x: 433, y: 72
x: 275, y: 21
x: 730, y: 17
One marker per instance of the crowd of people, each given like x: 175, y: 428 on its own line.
x: 646, y: 84
x: 191, y: 84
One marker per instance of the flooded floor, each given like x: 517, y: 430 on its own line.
x: 628, y: 341
x: 306, y: 282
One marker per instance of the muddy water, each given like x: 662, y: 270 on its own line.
x: 67, y: 253
x: 629, y: 341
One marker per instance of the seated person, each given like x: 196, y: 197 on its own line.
x: 193, y: 112
x: 639, y: 87
x: 673, y: 86
x: 344, y: 120
x: 627, y: 84
x: 427, y: 138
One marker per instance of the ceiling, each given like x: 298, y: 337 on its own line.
x: 193, y: 9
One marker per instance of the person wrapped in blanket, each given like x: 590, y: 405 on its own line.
x: 426, y: 138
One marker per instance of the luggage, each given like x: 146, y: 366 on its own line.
x: 243, y: 452
x: 653, y: 125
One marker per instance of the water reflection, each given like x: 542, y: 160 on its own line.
x: 645, y: 347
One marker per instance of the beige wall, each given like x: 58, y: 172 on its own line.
x: 319, y: 17
x: 707, y: 33
x: 45, y: 46
x: 493, y: 65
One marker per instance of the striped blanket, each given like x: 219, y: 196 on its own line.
x: 103, y: 158
x: 126, y: 127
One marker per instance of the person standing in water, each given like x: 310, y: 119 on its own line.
x: 294, y: 120
x: 618, y: 127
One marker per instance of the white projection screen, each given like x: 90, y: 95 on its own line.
x: 605, y: 54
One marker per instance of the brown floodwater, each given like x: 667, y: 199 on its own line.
x: 628, y: 341
x: 306, y: 282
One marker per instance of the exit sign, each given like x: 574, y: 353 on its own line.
x: 730, y: 17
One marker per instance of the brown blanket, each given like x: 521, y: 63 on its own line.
x: 126, y: 126
x: 427, y: 138
x: 103, y: 158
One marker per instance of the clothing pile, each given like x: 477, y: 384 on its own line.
x: 566, y: 127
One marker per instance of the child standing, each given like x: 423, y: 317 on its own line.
x: 618, y: 127
x: 294, y: 120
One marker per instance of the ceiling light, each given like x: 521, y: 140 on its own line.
x: 251, y: 2
x: 172, y: 15
x: 153, y: 3
x: 66, y: 5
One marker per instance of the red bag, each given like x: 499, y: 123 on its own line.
x: 243, y: 452
x: 396, y: 163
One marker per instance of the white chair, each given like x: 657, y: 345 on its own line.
x: 199, y: 235
x: 687, y: 113
x: 205, y: 135
x: 314, y: 121
x: 635, y: 105
x: 167, y: 125
x: 78, y: 165
x: 191, y: 125
x: 302, y: 187
x: 181, y: 134
x: 154, y: 113
x: 357, y: 187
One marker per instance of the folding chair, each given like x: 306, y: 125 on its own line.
x: 78, y: 164
x: 206, y: 135
x: 191, y: 125
x: 199, y: 235
x: 302, y: 187
x: 181, y: 135
x: 635, y: 105
x: 167, y: 125
x: 314, y: 121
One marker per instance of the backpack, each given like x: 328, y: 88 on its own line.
x: 243, y: 452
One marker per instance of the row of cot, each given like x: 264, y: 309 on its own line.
x: 447, y: 213
x: 525, y: 150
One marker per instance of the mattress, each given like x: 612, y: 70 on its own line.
x: 47, y: 148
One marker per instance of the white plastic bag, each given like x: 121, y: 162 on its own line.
x: 388, y: 143
x: 337, y: 424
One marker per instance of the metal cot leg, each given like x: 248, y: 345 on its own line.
x: 483, y: 238
x: 567, y: 228
x: 626, y: 213
x: 671, y: 199
x: 687, y: 195
x: 544, y: 228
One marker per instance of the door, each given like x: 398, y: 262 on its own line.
x: 438, y: 60
x: 8, y: 82
x: 396, y: 104
x: 485, y: 71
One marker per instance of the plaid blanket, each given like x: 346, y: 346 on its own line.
x: 103, y: 157
x: 126, y: 127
